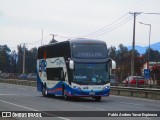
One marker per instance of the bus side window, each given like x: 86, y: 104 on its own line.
x: 55, y: 74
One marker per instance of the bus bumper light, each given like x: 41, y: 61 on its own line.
x: 106, y: 88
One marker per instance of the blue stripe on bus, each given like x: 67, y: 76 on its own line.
x: 69, y: 91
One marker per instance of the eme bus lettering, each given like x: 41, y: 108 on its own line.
x: 72, y: 66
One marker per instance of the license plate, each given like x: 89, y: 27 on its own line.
x: 91, y: 93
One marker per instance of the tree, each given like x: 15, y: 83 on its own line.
x: 4, y: 58
x: 122, y: 59
x: 138, y: 62
x: 112, y: 52
x: 155, y: 73
x: 122, y: 56
x: 13, y: 61
x: 20, y: 59
x: 31, y: 58
x: 154, y: 55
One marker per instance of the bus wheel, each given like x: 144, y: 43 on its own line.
x: 63, y: 93
x: 44, y: 91
x: 66, y: 97
x: 98, y: 99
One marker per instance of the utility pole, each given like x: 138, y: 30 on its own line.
x: 24, y: 52
x: 133, y: 44
x: 42, y: 37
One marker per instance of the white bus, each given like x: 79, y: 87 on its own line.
x: 74, y: 68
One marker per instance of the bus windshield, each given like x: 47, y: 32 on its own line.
x: 90, y: 74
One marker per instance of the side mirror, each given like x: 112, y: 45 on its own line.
x: 113, y: 65
x: 71, y: 64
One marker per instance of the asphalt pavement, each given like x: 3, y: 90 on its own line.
x: 26, y: 98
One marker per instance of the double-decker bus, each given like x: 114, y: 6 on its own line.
x: 74, y: 68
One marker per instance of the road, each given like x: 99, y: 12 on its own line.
x: 26, y: 98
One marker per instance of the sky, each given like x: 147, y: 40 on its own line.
x: 34, y: 21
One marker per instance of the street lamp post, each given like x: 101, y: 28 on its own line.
x: 149, y: 41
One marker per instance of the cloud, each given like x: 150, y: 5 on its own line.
x: 24, y: 20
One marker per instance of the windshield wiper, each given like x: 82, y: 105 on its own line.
x: 98, y: 77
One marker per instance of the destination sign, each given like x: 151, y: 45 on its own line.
x: 89, y: 51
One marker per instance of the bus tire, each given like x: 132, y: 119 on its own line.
x: 44, y: 91
x: 67, y: 97
x: 98, y: 98
x: 63, y: 93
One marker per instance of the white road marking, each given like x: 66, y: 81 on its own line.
x: 18, y: 105
x: 22, y: 88
x: 90, y: 107
x: 146, y: 118
x: 30, y: 109
x: 8, y: 94
x: 129, y: 103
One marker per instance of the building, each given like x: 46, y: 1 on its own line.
x: 151, y: 64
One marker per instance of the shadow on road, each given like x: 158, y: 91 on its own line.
x: 76, y: 99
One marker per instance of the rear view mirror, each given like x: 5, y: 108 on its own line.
x: 71, y: 64
x: 113, y: 64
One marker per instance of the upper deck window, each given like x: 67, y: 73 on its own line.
x: 89, y: 51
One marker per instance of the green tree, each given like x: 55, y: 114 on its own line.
x: 122, y: 56
x: 20, y: 59
x: 112, y: 52
x: 31, y: 58
x: 4, y: 58
x: 123, y: 60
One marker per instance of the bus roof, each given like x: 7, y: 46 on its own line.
x: 84, y: 40
x: 78, y: 40
x: 65, y: 49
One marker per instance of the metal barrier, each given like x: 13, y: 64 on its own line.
x: 19, y: 82
x: 136, y: 92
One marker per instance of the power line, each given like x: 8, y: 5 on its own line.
x: 119, y: 24
x: 38, y: 41
x: 105, y: 27
x: 152, y: 13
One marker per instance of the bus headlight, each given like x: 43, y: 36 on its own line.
x: 78, y: 88
x: 107, y: 87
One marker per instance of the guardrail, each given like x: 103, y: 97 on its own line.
x: 19, y: 82
x: 140, y: 86
x: 149, y: 93
x: 136, y: 92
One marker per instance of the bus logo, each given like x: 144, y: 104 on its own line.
x: 58, y: 62
x: 42, y: 66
